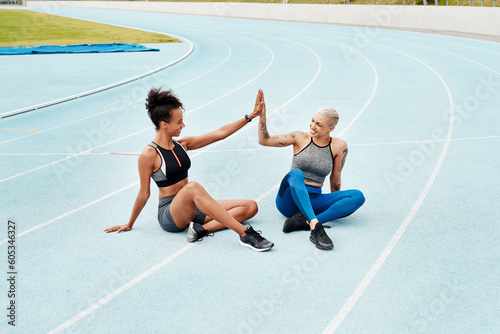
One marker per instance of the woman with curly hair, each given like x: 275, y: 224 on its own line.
x: 186, y: 204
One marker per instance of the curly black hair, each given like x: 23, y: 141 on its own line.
x: 160, y: 105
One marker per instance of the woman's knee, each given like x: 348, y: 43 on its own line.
x: 295, y: 178
x: 357, y: 196
x: 251, y: 208
x: 296, y: 173
x: 193, y: 187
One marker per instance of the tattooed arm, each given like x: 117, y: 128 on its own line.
x: 276, y: 141
x: 339, y: 149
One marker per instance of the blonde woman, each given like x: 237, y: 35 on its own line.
x: 316, y: 154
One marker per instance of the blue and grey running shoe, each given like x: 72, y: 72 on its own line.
x: 196, y: 232
x: 255, y: 241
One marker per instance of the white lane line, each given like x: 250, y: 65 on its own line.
x: 74, y: 155
x: 462, y: 45
x: 265, y: 148
x: 212, y: 69
x: 120, y: 290
x: 425, y: 141
x: 450, y: 53
x: 372, y: 95
x: 246, y: 83
x: 71, y: 212
x: 360, y: 289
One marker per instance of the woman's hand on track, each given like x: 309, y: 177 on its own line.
x: 118, y: 228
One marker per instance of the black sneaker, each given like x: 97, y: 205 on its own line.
x: 297, y: 223
x: 196, y: 232
x: 255, y: 241
x: 320, y: 238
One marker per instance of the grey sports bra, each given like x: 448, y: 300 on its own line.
x: 316, y: 162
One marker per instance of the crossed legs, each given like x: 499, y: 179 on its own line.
x: 220, y: 214
x: 294, y: 196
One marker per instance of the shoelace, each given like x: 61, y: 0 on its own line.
x: 256, y: 234
x: 207, y: 234
x: 321, y: 231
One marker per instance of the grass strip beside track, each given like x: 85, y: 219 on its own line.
x: 27, y: 28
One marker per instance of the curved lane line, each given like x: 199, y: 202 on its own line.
x: 360, y: 289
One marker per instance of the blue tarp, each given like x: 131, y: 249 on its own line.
x: 79, y: 48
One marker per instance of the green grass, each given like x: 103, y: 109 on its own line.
x: 26, y: 28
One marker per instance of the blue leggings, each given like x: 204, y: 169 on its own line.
x: 294, y: 196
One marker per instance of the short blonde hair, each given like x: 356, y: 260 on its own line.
x: 330, y: 112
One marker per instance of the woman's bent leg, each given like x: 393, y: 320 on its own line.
x: 293, y: 186
x: 293, y: 196
x: 337, y: 204
x: 193, y: 197
x: 240, y: 209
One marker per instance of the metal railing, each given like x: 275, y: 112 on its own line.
x: 475, y: 3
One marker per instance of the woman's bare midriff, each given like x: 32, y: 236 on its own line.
x: 173, y: 189
x: 313, y: 184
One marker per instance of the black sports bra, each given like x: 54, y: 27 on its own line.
x: 174, y: 165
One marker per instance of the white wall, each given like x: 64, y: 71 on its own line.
x: 465, y: 19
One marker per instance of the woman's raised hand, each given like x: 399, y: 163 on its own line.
x: 260, y: 106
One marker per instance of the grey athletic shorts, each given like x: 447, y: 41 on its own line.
x: 165, y: 218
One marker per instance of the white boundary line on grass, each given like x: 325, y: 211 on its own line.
x: 360, y: 289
